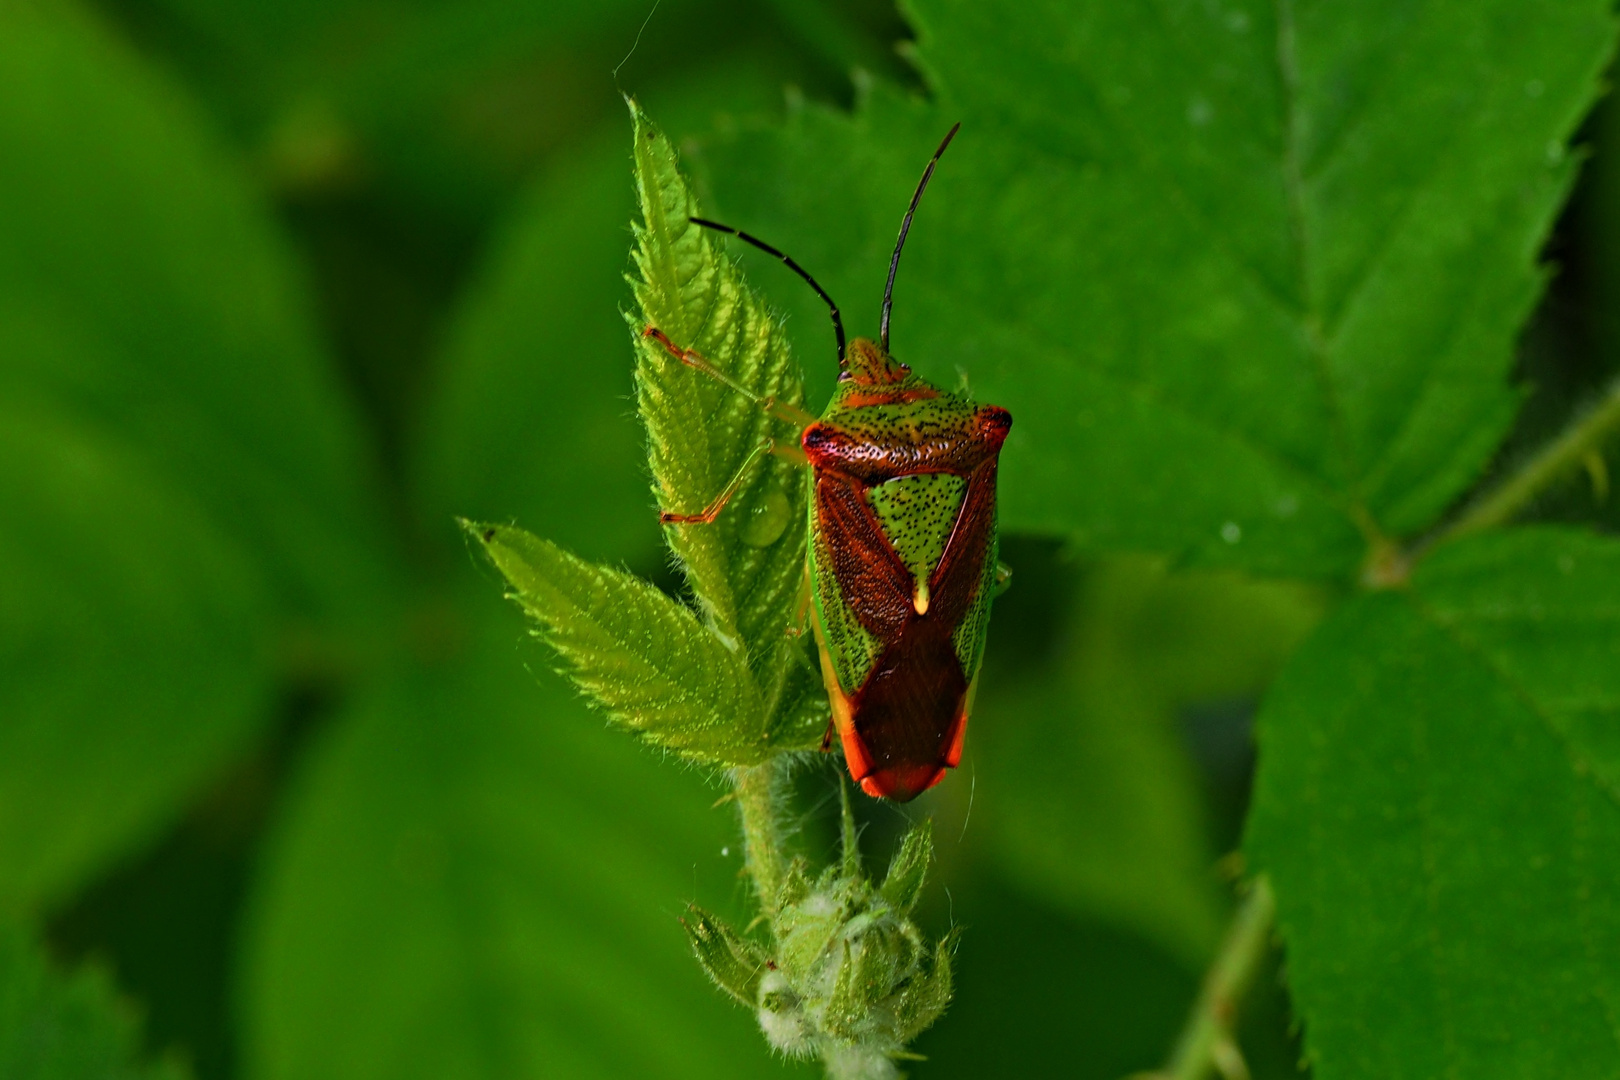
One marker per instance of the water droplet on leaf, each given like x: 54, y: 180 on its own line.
x: 767, y: 518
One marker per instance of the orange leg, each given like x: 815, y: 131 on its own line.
x: 707, y: 515
x: 782, y: 410
x: 789, y: 451
x: 792, y: 452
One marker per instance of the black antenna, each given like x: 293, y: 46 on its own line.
x: 905, y: 227
x: 838, y: 322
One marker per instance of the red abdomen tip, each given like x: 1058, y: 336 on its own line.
x: 903, y: 782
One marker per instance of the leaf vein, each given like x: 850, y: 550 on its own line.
x: 1310, y: 317
x: 1149, y: 166
x: 1431, y: 888
x: 1580, y: 765
x: 1582, y: 903
x: 1143, y: 393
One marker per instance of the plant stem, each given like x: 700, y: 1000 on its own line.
x: 1563, y: 454
x: 758, y: 790
x: 858, y: 1063
x: 1208, y: 1043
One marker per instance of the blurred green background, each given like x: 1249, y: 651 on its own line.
x: 284, y: 288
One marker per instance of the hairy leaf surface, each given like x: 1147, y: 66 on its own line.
x: 643, y: 658
x: 531, y: 420
x: 747, y: 568
x: 1439, y: 809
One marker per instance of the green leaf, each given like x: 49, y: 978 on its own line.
x: 1089, y: 798
x: 747, y: 568
x: 64, y: 1027
x: 473, y: 880
x: 909, y: 867
x: 529, y: 421
x: 132, y: 651
x: 143, y: 289
x: 733, y: 962
x: 1438, y: 807
x: 1247, y: 275
x: 925, y: 999
x: 180, y: 472
x: 638, y: 655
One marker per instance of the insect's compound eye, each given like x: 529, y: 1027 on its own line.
x: 816, y: 437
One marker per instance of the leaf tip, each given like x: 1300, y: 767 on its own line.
x: 735, y: 964
x: 484, y: 533
x: 642, y: 124
x: 903, y: 884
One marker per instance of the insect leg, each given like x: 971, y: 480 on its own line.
x: 790, y: 452
x: 782, y: 410
x: 706, y: 516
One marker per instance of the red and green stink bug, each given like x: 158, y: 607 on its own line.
x: 902, y: 547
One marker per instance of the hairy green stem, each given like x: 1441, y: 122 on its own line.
x: 1208, y: 1043
x: 758, y: 790
x: 1581, y: 438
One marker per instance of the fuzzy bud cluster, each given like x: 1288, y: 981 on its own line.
x: 851, y: 978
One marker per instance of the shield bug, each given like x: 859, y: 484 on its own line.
x: 902, y: 547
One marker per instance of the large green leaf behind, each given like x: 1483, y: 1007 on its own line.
x: 475, y: 880
x: 1439, y: 806
x: 181, y: 477
x: 533, y: 421
x: 65, y: 1027
x: 1247, y: 275
x: 1087, y: 795
x: 129, y: 233
x: 130, y: 658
